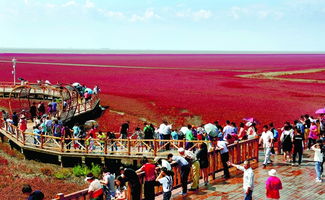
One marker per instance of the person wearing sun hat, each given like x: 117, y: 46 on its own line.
x: 95, y: 189
x: 273, y: 185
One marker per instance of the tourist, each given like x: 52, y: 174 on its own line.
x: 109, y: 184
x: 184, y: 170
x: 5, y: 115
x: 323, y: 151
x: 248, y: 179
x: 67, y: 136
x: 54, y: 107
x: 192, y: 160
x: 318, y: 158
x: 124, y: 129
x: 222, y: 146
x: 49, y: 109
x: 228, y: 129
x: 33, y: 111
x: 41, y: 109
x: 129, y: 175
x: 200, y: 133
x: 267, y: 140
x: 95, y: 189
x: 121, y: 189
x: 312, y: 137
x: 56, y: 130
x: 242, y: 133
x: 76, y: 134
x: 203, y: 158
x: 251, y: 131
x: 36, y: 195
x: 111, y: 136
x: 164, y: 133
x: 275, y: 138
x: 48, y: 124
x: 15, y: 119
x: 37, y: 131
x: 149, y: 178
x: 299, y: 125
x: 22, y: 123
x: 298, y: 141
x: 166, y: 180
x: 273, y: 185
x: 149, y: 132
x: 162, y: 163
x: 189, y: 137
x: 37, y: 121
x: 286, y: 140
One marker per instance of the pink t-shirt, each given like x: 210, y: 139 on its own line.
x: 273, y: 185
x: 313, y: 132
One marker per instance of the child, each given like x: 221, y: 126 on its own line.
x: 121, y: 188
x: 318, y: 158
x: 166, y: 180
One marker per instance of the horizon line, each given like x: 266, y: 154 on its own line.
x: 145, y: 51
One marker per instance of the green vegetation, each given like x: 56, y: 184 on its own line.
x: 83, y: 170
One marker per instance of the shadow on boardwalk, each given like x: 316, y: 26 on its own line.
x: 298, y: 182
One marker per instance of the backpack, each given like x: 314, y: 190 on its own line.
x: 275, y: 134
x: 148, y: 132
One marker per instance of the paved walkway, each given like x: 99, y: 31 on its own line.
x: 298, y: 183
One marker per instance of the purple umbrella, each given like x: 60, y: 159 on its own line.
x: 320, y: 111
x: 251, y: 119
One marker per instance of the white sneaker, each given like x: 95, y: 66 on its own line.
x: 318, y: 180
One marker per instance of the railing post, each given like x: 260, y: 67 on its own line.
x: 129, y: 146
x: 105, y: 144
x: 42, y: 140
x: 24, y: 138
x: 214, y: 154
x: 62, y: 143
x: 155, y: 147
x: 86, y: 144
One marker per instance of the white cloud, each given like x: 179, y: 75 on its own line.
x: 89, y: 4
x: 109, y: 13
x: 195, y: 15
x: 255, y: 11
x: 202, y: 14
x: 69, y: 3
x: 148, y: 14
x: 26, y: 2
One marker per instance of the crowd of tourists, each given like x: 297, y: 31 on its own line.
x: 291, y: 138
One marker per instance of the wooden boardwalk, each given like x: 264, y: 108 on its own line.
x: 298, y: 183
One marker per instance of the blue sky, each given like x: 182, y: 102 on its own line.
x: 221, y: 25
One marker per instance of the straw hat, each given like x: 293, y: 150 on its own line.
x: 89, y: 177
x: 272, y: 172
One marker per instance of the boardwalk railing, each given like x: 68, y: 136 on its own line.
x: 103, y: 146
x: 238, y: 153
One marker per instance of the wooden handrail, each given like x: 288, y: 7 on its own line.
x: 215, y: 166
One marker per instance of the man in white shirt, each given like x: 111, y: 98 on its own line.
x: 248, y: 178
x: 162, y: 163
x: 164, y: 132
x: 228, y: 129
x: 222, y: 146
x: 267, y: 140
